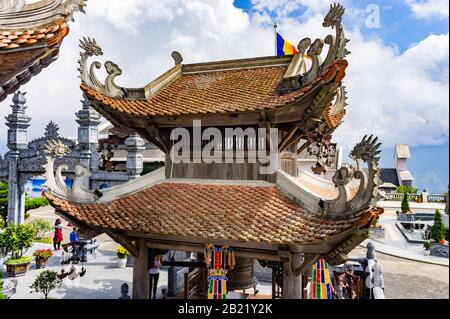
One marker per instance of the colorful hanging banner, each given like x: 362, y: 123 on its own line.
x: 321, y: 286
x: 219, y: 259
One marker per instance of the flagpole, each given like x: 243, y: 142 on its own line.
x: 275, y: 26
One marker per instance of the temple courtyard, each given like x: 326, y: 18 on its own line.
x: 404, y: 278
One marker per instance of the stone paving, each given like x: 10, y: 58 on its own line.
x: 407, y: 279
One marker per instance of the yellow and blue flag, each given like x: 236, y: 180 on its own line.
x: 284, y: 47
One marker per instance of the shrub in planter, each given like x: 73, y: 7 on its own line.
x: 405, y: 204
x: 18, y: 239
x: 18, y: 261
x: 438, y: 228
x: 122, y: 253
x: 42, y: 257
x: 17, y: 266
x: 426, y: 245
x: 45, y: 282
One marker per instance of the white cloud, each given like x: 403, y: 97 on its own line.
x: 426, y: 9
x: 402, y: 97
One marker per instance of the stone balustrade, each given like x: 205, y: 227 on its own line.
x: 424, y: 197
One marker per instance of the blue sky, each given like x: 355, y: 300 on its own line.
x: 397, y: 79
x: 399, y: 27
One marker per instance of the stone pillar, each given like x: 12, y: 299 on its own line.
x: 141, y: 284
x: 88, y: 120
x: 172, y: 280
x: 21, y: 195
x: 135, y: 160
x: 18, y: 122
x: 13, y: 189
x: 292, y: 282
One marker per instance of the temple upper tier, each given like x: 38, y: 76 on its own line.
x: 30, y: 38
x: 297, y: 93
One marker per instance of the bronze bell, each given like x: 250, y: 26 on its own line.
x: 243, y: 275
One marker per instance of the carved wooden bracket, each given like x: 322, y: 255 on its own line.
x: 126, y: 242
x: 308, y: 261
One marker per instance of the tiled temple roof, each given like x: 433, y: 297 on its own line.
x: 209, y: 211
x: 212, y: 92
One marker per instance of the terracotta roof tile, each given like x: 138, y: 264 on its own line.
x: 215, y: 92
x: 239, y: 213
x: 225, y: 91
x: 51, y: 35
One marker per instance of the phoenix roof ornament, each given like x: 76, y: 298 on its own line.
x: 87, y: 75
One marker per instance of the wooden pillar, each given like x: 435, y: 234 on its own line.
x: 292, y: 282
x: 141, y: 289
x: 203, y: 275
x: 305, y: 284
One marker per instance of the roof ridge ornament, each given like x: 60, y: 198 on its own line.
x: 51, y: 130
x: 366, y: 151
x: 55, y: 182
x: 177, y: 57
x: 87, y: 75
x: 297, y: 77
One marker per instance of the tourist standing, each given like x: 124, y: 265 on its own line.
x: 74, y: 236
x: 154, y: 275
x: 58, y: 237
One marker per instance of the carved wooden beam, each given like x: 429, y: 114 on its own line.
x: 308, y: 261
x: 126, y: 242
x: 268, y: 126
x: 284, y: 142
x: 153, y: 131
x: 303, y: 147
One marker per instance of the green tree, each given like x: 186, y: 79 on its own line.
x: 406, y: 189
x: 438, y: 228
x: 41, y: 227
x: 45, y: 282
x: 17, y: 239
x: 405, y: 204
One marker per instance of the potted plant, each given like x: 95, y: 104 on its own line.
x: 438, y: 228
x: 17, y: 239
x: 42, y: 256
x: 426, y: 246
x: 122, y: 255
x: 45, y: 282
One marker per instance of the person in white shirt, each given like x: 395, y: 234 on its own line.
x: 154, y: 275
